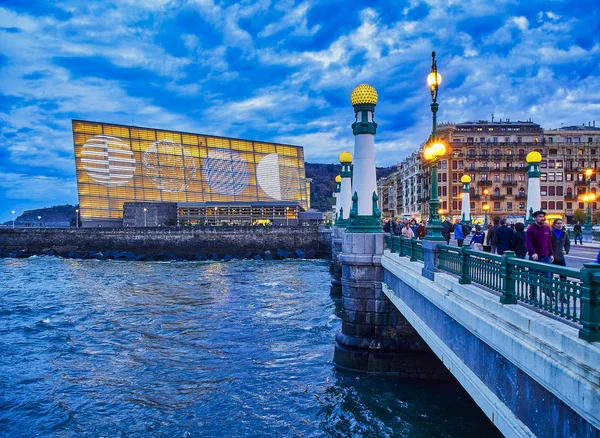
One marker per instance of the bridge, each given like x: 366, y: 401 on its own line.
x: 520, y: 336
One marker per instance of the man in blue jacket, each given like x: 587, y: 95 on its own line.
x: 459, y: 234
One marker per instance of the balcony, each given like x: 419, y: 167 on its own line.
x: 520, y: 197
x: 485, y: 183
x: 485, y: 168
x: 509, y: 183
x: 497, y: 197
x: 475, y: 196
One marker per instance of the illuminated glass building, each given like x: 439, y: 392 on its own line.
x: 118, y: 164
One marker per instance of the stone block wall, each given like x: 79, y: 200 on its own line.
x: 181, y: 241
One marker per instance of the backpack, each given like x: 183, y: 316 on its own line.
x: 478, y: 238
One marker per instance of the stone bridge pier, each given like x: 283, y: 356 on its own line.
x: 375, y: 337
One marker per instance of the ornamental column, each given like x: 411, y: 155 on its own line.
x: 534, y: 197
x: 336, y: 195
x: 346, y: 187
x: 466, y: 199
x: 364, y: 215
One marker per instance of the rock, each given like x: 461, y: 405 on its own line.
x: 199, y: 257
x: 228, y: 258
x: 130, y: 256
x: 140, y: 257
x: 170, y: 256
x: 13, y: 254
x: 214, y: 257
x: 283, y: 254
x: 301, y: 254
x: 50, y: 252
x: 247, y: 255
x: 267, y: 255
x: 311, y: 254
x: 75, y: 255
x: 257, y: 257
x: 99, y: 256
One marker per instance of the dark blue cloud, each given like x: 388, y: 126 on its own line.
x: 37, y: 8
x: 34, y: 76
x: 10, y: 29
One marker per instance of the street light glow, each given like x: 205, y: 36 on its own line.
x: 434, y: 79
x: 588, y: 172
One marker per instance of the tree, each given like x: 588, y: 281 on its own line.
x: 580, y: 216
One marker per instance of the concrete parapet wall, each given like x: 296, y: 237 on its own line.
x: 530, y: 373
x: 182, y: 241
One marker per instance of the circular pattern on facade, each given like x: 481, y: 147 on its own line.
x: 226, y: 172
x: 108, y: 160
x: 169, y: 165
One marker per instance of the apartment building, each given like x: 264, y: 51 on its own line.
x: 493, y: 154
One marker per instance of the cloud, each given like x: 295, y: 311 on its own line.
x: 280, y: 71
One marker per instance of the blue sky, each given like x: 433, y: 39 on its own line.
x: 278, y: 71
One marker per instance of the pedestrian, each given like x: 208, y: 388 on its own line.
x: 538, y: 241
x: 422, y: 230
x: 407, y: 231
x: 561, y: 244
x: 578, y: 233
x: 447, y: 228
x: 487, y: 246
x: 386, y: 225
x: 414, y: 227
x: 503, y: 237
x: 459, y: 234
x: 478, y: 239
x: 518, y: 240
x: 396, y: 227
x: 492, y: 235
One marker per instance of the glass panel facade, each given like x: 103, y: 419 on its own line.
x: 117, y: 164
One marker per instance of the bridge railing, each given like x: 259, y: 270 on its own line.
x: 412, y: 248
x: 568, y: 293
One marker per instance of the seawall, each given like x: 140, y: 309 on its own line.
x: 181, y: 241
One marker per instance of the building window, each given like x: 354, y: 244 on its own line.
x: 569, y: 177
x: 559, y: 205
x: 551, y: 205
x: 472, y: 206
x: 520, y: 140
x: 551, y: 191
x: 551, y: 164
x: 509, y: 152
x: 581, y: 205
x: 553, y: 151
x: 521, y: 152
x: 543, y: 164
x: 496, y: 206
x: 569, y: 152
x: 496, y: 177
x: 559, y: 190
x: 551, y: 177
x: 544, y: 190
x: 559, y: 164
x: 521, y: 205
x: 509, y: 206
x: 544, y: 205
x: 461, y: 164
x: 559, y: 177
x: 521, y: 177
x: 509, y: 191
x: 550, y: 140
x: 544, y: 177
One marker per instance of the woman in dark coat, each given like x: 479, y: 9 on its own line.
x: 518, y: 240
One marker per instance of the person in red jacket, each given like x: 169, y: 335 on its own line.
x: 538, y: 241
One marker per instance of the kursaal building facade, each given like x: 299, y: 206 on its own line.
x: 118, y: 164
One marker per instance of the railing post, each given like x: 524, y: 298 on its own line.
x: 509, y: 295
x: 465, y: 278
x: 413, y: 249
x: 590, y: 302
x: 400, y: 254
x: 392, y: 249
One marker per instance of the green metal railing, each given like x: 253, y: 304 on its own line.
x: 412, y: 248
x: 568, y: 293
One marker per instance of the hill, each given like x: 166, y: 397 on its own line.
x: 57, y: 216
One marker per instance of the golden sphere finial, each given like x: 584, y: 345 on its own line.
x: 533, y: 157
x: 364, y: 94
x: 465, y: 179
x: 345, y: 158
x: 338, y: 179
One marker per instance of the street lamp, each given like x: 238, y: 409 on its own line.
x: 286, y: 216
x: 590, y: 198
x: 13, y: 213
x: 145, y: 217
x: 40, y: 220
x: 77, y: 217
x: 485, y: 209
x: 434, y: 150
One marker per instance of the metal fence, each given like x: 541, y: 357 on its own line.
x: 568, y: 293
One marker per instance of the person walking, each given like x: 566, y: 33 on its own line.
x: 487, y: 245
x: 578, y: 232
x: 503, y: 237
x: 478, y: 239
x: 422, y: 230
x: 407, y: 232
x: 414, y: 227
x: 518, y: 241
x: 561, y: 244
x: 538, y: 241
x: 459, y: 234
x: 447, y: 229
x: 492, y: 235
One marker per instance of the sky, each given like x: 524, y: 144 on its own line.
x: 279, y: 71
